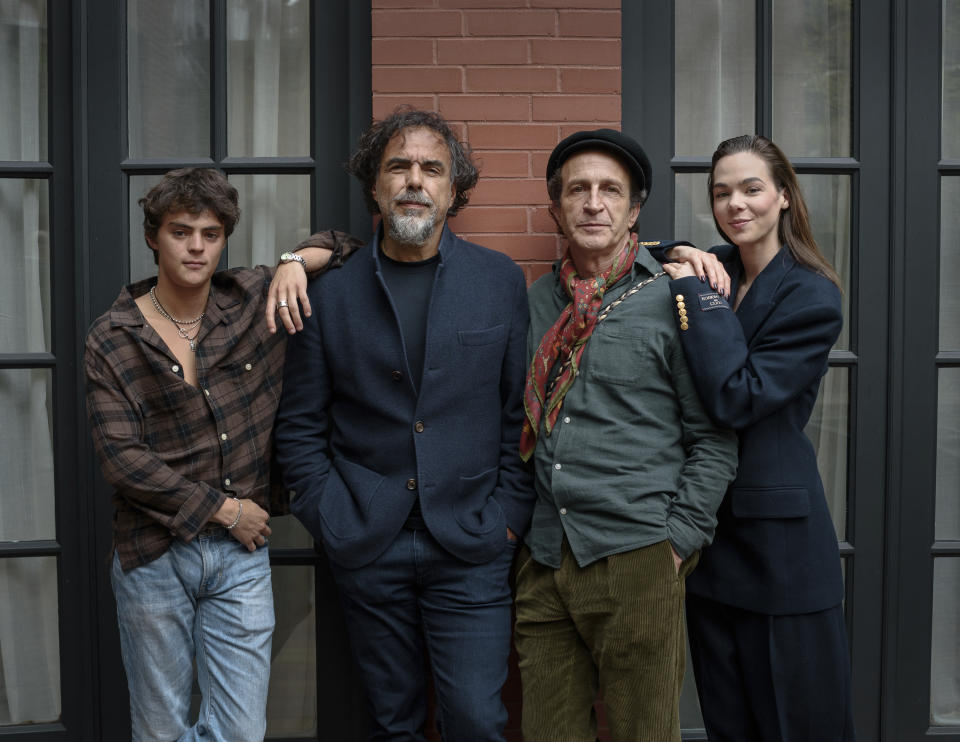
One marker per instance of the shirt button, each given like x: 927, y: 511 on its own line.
x: 397, y: 376
x: 249, y: 367
x: 292, y: 493
x: 175, y: 368
x: 226, y: 482
x: 567, y: 419
x: 557, y: 467
x: 207, y: 392
x: 223, y: 436
x: 563, y: 511
x: 411, y: 484
x: 418, y: 426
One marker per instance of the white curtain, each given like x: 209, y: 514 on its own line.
x: 29, y: 645
x: 268, y: 115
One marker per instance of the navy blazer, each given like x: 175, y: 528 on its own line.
x: 356, y: 442
x: 758, y: 371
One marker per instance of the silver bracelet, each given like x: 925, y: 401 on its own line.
x: 239, y: 513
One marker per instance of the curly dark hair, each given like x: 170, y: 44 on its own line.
x: 192, y: 189
x: 364, y: 163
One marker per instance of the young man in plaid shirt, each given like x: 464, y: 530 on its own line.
x: 183, y: 381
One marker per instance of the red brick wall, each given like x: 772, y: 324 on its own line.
x: 515, y: 77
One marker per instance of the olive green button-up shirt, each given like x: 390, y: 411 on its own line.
x: 633, y: 458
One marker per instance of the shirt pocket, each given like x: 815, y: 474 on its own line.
x: 170, y: 412
x: 250, y: 380
x: 619, y: 355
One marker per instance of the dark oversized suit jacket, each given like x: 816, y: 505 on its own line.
x: 758, y: 371
x: 356, y: 442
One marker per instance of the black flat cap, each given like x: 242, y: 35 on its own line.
x: 624, y: 148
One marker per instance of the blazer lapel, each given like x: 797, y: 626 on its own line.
x: 760, y: 299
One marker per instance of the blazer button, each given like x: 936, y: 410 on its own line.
x: 397, y: 376
x: 418, y: 426
x: 679, y: 297
x: 411, y: 484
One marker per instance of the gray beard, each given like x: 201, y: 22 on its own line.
x: 411, y: 230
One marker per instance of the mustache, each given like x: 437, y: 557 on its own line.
x: 410, y: 195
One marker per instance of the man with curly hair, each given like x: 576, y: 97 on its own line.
x: 398, y: 435
x: 183, y: 380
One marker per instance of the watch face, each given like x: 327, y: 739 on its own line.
x: 286, y: 257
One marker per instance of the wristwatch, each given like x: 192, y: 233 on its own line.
x: 289, y: 257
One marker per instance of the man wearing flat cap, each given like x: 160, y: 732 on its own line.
x: 629, y: 469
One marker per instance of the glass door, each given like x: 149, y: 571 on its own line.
x: 801, y: 74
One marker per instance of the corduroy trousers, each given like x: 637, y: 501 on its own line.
x: 615, y: 625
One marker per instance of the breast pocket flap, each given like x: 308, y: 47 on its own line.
x: 482, y: 337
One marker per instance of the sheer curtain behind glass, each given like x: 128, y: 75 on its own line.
x: 268, y: 115
x: 714, y: 86
x: 29, y: 650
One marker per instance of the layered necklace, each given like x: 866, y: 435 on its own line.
x: 184, y: 327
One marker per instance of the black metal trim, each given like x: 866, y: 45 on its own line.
x: 25, y: 169
x: 28, y: 360
x: 43, y: 548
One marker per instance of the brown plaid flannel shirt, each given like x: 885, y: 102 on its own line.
x: 172, y: 452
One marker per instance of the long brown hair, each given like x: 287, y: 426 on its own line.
x: 794, y: 226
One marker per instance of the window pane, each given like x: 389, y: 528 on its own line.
x: 950, y: 122
x: 948, y: 455
x: 288, y: 533
x: 275, y: 216
x: 26, y: 456
x: 292, y: 700
x: 693, y: 219
x: 828, y: 429
x: 25, y: 279
x: 812, y: 89
x: 168, y: 78
x: 945, y: 649
x: 23, y: 80
x: 29, y: 644
x: 715, y: 73
x: 828, y: 200
x: 269, y: 78
x: 949, y: 314
x: 141, y: 256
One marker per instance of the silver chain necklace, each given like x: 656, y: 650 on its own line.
x: 179, y: 324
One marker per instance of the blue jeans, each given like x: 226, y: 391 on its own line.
x: 210, y: 601
x: 417, y: 594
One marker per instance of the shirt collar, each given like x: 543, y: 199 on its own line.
x: 227, y: 293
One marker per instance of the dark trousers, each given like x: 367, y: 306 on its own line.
x: 417, y: 594
x: 616, y: 624
x: 770, y: 678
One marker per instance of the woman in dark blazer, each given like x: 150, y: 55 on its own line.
x: 764, y: 607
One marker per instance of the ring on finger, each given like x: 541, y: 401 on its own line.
x: 282, y: 303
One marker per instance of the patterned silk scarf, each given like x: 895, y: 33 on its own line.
x: 566, y: 339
